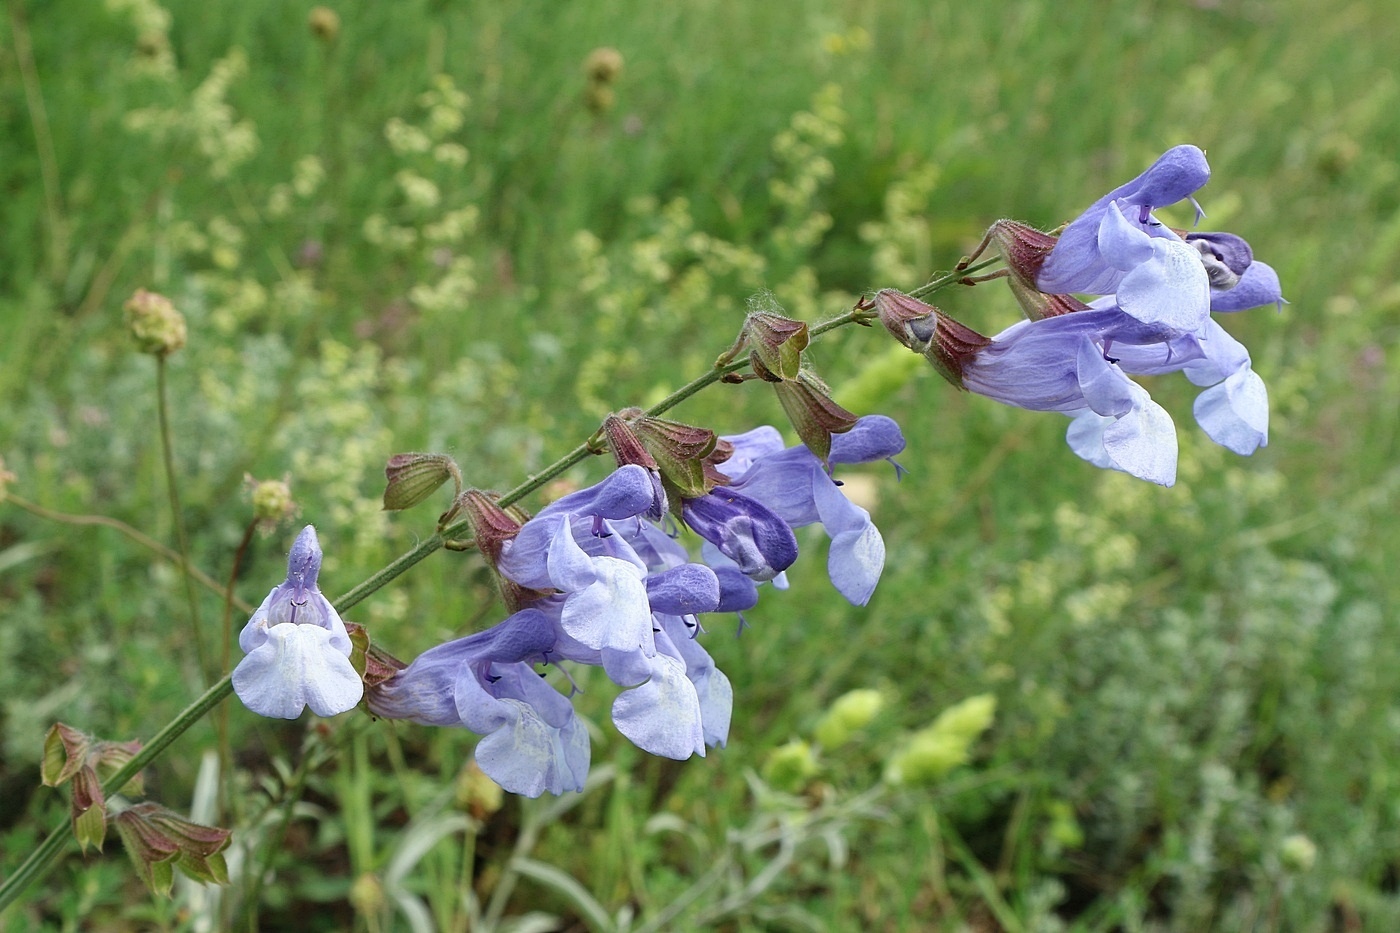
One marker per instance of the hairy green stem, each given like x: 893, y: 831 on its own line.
x: 952, y: 278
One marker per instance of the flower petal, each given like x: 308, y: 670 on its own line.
x: 1235, y: 413
x: 662, y: 716
x: 612, y: 612
x: 297, y: 666
x: 1142, y: 443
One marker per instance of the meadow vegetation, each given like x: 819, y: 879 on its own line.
x: 453, y: 227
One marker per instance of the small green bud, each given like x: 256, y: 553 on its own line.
x: 968, y: 719
x: 678, y: 451
x: 850, y: 713
x: 599, y: 98
x: 367, y: 895
x: 812, y: 412
x: 88, y: 809
x: 272, y: 502
x: 159, y: 840
x: 1064, y: 829
x: 151, y: 851
x: 159, y: 329
x: 372, y: 663
x: 1297, y: 853
x: 777, y: 343
x: 789, y: 767
x: 65, y: 751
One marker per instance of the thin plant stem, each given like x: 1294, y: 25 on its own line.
x: 43, y: 141
x: 951, y: 278
x: 177, y: 516
x: 141, y: 538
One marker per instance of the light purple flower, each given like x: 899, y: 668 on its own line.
x: 1076, y: 264
x: 297, y: 651
x: 1164, y: 285
x: 794, y: 484
x: 1058, y: 364
x: 662, y: 714
x: 532, y: 741
x: 659, y: 712
x: 605, y: 602
x: 1234, y: 408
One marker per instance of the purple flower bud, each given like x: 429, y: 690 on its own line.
x: 628, y: 491
x: 874, y: 437
x: 736, y: 591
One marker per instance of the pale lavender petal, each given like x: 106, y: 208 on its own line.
x: 662, y: 716
x: 295, y: 667
x: 713, y: 689
x: 612, y: 612
x: 1104, y: 387
x: 1258, y: 286
x: 1235, y: 413
x: 1085, y: 437
x: 1142, y: 443
x: 1122, y: 245
x: 1171, y: 292
x: 857, y: 555
x: 569, y: 568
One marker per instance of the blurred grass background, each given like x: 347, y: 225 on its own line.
x: 421, y: 226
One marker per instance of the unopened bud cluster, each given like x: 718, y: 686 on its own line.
x: 602, y: 68
x: 272, y: 502
x: 153, y: 320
